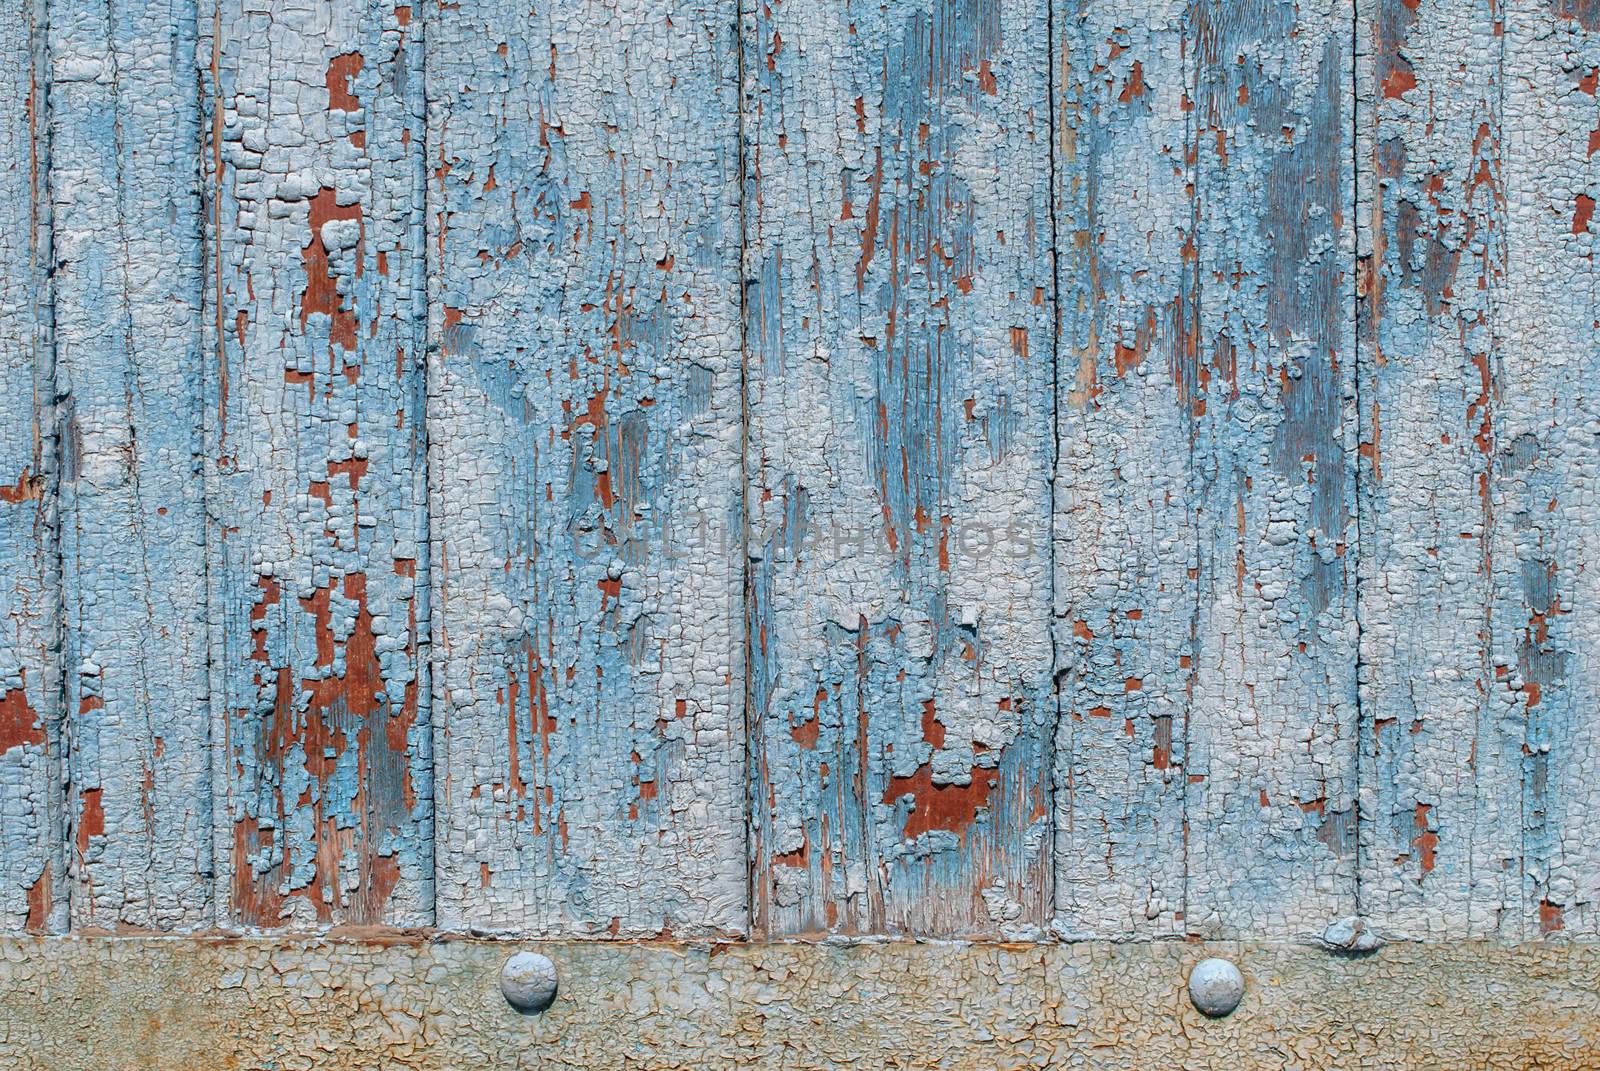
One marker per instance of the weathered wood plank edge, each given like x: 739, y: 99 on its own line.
x: 33, y: 857
x: 181, y: 1004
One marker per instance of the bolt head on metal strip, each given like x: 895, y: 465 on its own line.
x: 528, y: 981
x: 1216, y: 987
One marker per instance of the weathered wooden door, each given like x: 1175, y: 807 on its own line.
x: 713, y: 485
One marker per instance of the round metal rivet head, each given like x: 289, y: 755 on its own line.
x: 528, y: 981
x: 1216, y: 987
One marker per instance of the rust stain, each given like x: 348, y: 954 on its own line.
x: 799, y: 858
x: 1395, y: 73
x: 517, y: 785
x: 340, y: 70
x: 271, y: 594
x: 1400, y: 82
x: 1135, y: 85
x: 1373, y: 450
x: 320, y: 720
x: 1479, y: 408
x: 322, y: 293
x: 1426, y: 842
x: 544, y: 725
x: 91, y: 819
x: 453, y: 318
x: 40, y: 902
x: 932, y: 730
x: 353, y: 469
x: 952, y: 808
x: 807, y: 733
x: 1582, y: 213
x: 986, y: 79
x: 19, y: 725
x: 255, y: 897
x: 297, y: 378
x: 1124, y: 359
x: 869, y: 229
x: 361, y: 681
x: 28, y: 488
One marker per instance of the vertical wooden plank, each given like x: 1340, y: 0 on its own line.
x: 1271, y: 759
x: 900, y: 327
x: 31, y: 872
x: 1547, y: 459
x: 316, y: 463
x: 125, y: 127
x: 1441, y: 765
x: 586, y: 430
x: 1125, y: 538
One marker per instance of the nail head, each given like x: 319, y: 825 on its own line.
x: 528, y: 981
x: 1216, y: 987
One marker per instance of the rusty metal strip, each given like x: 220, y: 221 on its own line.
x: 434, y: 1003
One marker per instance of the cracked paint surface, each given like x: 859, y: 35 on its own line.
x: 1125, y: 557
x: 1546, y: 464
x: 973, y: 468
x: 1205, y: 496
x: 1271, y: 763
x: 585, y: 428
x: 1440, y: 776
x: 314, y: 465
x: 32, y: 873
x: 124, y: 125
x: 417, y: 1003
x: 899, y: 310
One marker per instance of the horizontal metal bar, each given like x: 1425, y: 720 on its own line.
x: 426, y: 1002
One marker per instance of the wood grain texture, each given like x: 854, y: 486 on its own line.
x: 1125, y: 546
x: 1441, y: 773
x: 1270, y: 751
x: 315, y: 462
x: 900, y: 322
x: 1546, y: 478
x: 124, y: 129
x: 586, y: 430
x: 32, y: 871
